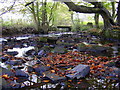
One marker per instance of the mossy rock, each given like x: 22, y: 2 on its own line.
x: 81, y: 45
x: 59, y: 49
x: 43, y: 39
x: 64, y: 43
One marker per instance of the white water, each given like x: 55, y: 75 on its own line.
x: 21, y: 51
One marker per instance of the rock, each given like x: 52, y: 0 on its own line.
x: 115, y: 73
x: 44, y: 50
x: 12, y: 53
x: 52, y: 40
x: 81, y: 47
x: 110, y: 64
x: 41, y: 52
x: 20, y: 73
x: 43, y: 39
x: 30, y: 69
x: 18, y: 46
x: 6, y: 71
x: 15, y: 85
x: 54, y: 77
x: 79, y: 71
x: 4, y: 85
x: 31, y: 52
x: 4, y: 58
x: 100, y: 50
x: 40, y: 69
x: 14, y: 62
x: 21, y: 79
x: 117, y: 63
x: 90, y: 24
x: 59, y: 49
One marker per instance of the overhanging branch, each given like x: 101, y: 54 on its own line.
x: 82, y: 9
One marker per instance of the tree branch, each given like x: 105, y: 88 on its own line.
x: 8, y: 9
x: 94, y: 2
x: 82, y: 9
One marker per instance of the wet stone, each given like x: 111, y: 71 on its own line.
x: 12, y: 53
x: 30, y: 69
x: 114, y: 73
x: 31, y: 52
x: 14, y: 62
x: 80, y: 71
x: 41, y: 52
x: 20, y: 73
x: 21, y: 79
x: 4, y: 85
x: 6, y: 71
x: 15, y: 85
x: 54, y: 77
x: 110, y: 64
x: 4, y: 58
x: 19, y: 46
x: 40, y: 69
x: 60, y: 49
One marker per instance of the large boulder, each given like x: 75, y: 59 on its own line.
x: 80, y: 71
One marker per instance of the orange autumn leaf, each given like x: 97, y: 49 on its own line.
x: 5, y: 76
x: 48, y: 65
x: 52, y: 71
x: 108, y: 77
x: 69, y: 86
x: 33, y: 72
x: 96, y: 58
x: 102, y: 70
x: 70, y: 80
x: 100, y: 66
x: 46, y: 81
x: 78, y: 82
x: 15, y: 78
x: 92, y: 71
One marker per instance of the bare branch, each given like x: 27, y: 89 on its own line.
x: 8, y: 9
x: 29, y: 3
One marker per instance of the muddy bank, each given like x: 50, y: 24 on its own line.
x: 15, y: 31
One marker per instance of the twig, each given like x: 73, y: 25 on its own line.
x: 8, y: 9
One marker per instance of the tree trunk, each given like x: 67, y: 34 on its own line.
x: 113, y: 9
x: 118, y: 14
x: 44, y: 18
x: 38, y: 16
x: 72, y: 18
x: 34, y: 16
x: 107, y: 19
x: 96, y: 17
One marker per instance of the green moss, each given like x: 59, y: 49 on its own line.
x: 43, y: 39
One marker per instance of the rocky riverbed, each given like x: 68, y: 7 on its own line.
x: 59, y: 60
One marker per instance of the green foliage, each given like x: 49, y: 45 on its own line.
x: 84, y: 28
